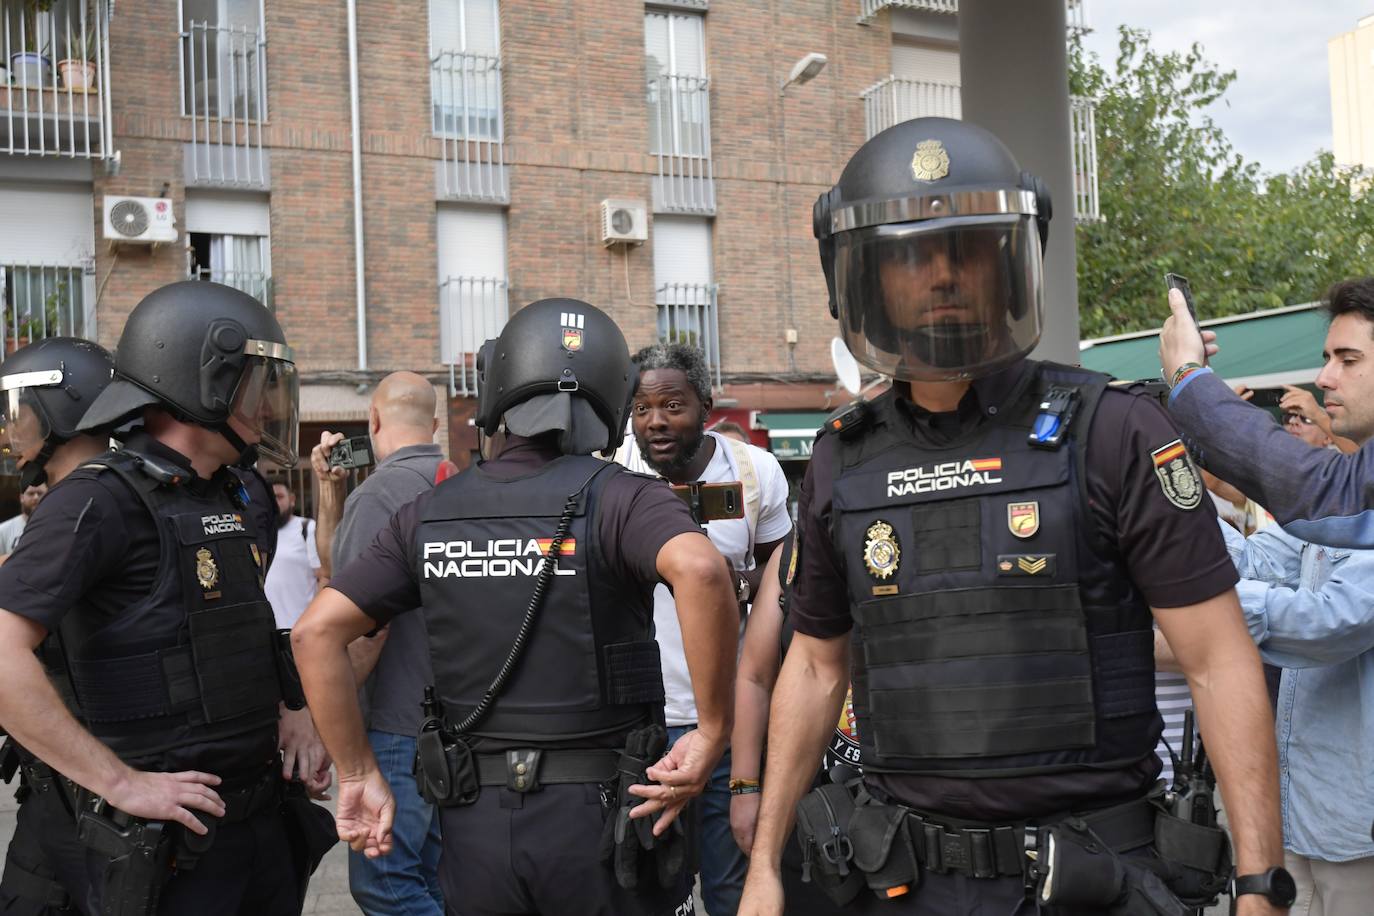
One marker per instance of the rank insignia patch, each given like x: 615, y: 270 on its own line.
x: 257, y: 557
x: 881, y: 551
x: 1039, y: 565
x: 1023, y: 519
x: 207, y: 574
x: 1177, y: 477
x: 930, y: 162
x: 573, y: 324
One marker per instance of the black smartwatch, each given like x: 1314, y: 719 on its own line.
x: 1276, y: 884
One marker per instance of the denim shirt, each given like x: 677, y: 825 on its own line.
x: 1310, y: 609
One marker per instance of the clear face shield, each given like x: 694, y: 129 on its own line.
x: 267, y: 401
x: 23, y: 426
x: 940, y: 299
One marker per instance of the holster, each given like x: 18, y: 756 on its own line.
x: 9, y: 759
x: 823, y: 820
x: 445, y: 771
x: 140, y: 865
x: 1197, y: 858
x: 1077, y: 869
x: 628, y: 844
x: 883, y: 847
x: 292, y: 691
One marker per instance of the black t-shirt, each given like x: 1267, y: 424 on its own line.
x: 1175, y: 557
x: 92, y: 541
x: 635, y: 518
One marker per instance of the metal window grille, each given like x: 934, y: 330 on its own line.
x: 255, y: 283
x: 896, y: 99
x: 688, y: 313
x: 1076, y: 10
x: 465, y: 92
x: 43, y: 300
x: 471, y: 311
x: 224, y: 93
x: 680, y: 137
x: 1082, y: 113
x: 55, y: 100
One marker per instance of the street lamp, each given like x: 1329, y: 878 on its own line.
x: 805, y: 70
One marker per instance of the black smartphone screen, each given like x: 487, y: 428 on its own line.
x: 1180, y: 283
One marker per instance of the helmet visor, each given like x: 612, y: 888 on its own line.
x: 267, y: 402
x: 940, y: 299
x: 23, y: 423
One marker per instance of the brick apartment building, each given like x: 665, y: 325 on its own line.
x: 489, y: 135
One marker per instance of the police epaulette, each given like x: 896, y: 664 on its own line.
x: 1156, y: 388
x: 848, y: 419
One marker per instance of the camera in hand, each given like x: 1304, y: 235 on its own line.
x: 355, y: 452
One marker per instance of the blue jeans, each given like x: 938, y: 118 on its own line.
x: 723, y: 865
x: 406, y: 882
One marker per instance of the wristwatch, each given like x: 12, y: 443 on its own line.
x: 1276, y: 884
x: 741, y: 588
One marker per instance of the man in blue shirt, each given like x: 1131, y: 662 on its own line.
x: 1317, y: 494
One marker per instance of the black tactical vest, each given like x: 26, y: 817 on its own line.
x: 194, y: 663
x: 590, y: 667
x: 995, y: 634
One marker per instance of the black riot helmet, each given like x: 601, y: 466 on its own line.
x: 932, y: 244
x: 207, y: 352
x: 45, y: 389
x: 559, y: 365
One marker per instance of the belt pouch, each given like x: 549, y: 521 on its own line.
x: 883, y: 850
x: 1199, y: 858
x: 1079, y: 871
x: 445, y: 770
x: 823, y: 817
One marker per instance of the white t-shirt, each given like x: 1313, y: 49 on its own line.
x: 10, y: 530
x: 734, y: 540
x: 291, y: 580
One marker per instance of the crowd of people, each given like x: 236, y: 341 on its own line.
x: 1021, y: 649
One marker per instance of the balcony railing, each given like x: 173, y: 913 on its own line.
x: 472, y: 310
x: 894, y: 100
x: 687, y: 314
x: 43, y: 300
x: 1082, y: 114
x: 253, y: 282
x: 1076, y: 9
x: 465, y: 92
x: 680, y: 136
x: 55, y: 78
x: 224, y: 93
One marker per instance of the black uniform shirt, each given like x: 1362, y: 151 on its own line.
x: 636, y: 517
x: 1175, y: 558
x: 91, y: 539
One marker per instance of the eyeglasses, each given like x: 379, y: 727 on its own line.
x: 1293, y: 419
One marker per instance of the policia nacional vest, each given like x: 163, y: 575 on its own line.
x: 195, y: 661
x: 589, y: 671
x: 995, y: 635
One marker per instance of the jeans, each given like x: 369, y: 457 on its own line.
x: 406, y: 882
x: 723, y: 865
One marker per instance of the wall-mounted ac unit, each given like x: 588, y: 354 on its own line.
x: 139, y: 220
x: 624, y: 222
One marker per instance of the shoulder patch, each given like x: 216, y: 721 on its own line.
x: 1178, y: 478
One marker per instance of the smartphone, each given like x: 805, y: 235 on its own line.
x: 351, y: 453
x: 712, y: 502
x: 1267, y: 397
x: 1180, y: 283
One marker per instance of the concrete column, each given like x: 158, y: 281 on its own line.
x: 1013, y: 61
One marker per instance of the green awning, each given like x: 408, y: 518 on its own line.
x: 791, y: 435
x: 1273, y: 347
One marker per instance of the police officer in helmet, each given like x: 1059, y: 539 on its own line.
x: 147, y: 562
x: 45, y: 388
x: 986, y: 543
x: 534, y: 571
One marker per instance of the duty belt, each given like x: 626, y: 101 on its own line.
x: 527, y: 769
x: 999, y: 850
x: 261, y: 794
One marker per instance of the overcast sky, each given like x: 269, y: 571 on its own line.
x: 1279, y: 111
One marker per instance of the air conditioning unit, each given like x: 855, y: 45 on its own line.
x: 139, y: 220
x: 624, y: 222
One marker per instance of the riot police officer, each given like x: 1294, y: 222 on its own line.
x: 148, y: 563
x: 45, y: 388
x: 991, y: 537
x: 534, y: 572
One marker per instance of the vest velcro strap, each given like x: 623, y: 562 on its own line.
x: 141, y: 681
x: 235, y: 660
x: 634, y: 673
x: 1126, y: 677
x: 550, y: 767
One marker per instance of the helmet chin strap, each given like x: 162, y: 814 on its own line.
x: 248, y: 454
x: 35, y: 472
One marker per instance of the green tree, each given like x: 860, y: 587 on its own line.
x: 1175, y: 195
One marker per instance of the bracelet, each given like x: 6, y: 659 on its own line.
x: 1183, y: 371
x: 745, y: 786
x: 746, y: 790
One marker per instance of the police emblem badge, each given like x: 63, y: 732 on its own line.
x: 1177, y: 477
x: 930, y: 162
x: 1023, y: 519
x: 573, y: 325
x: 881, y: 551
x: 207, y: 574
